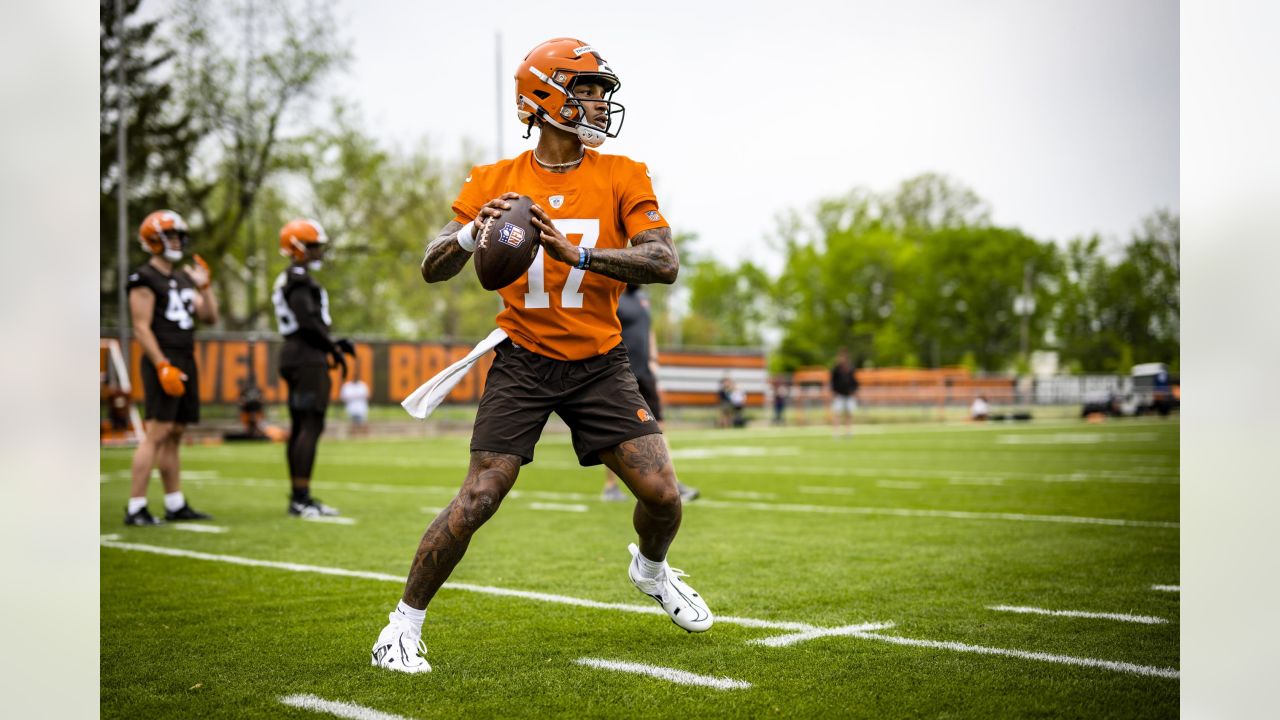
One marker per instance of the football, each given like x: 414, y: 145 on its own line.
x: 506, y: 246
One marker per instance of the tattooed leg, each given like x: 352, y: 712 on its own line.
x: 489, y: 478
x: 645, y: 466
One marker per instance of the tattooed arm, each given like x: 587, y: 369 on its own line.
x: 652, y: 257
x: 445, y: 257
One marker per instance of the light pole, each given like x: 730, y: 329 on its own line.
x: 1024, y: 306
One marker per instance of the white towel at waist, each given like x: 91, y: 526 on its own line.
x: 423, y: 401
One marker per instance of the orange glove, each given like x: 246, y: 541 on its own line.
x: 171, y: 379
x: 208, y: 274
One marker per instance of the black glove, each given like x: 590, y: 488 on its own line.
x: 345, y: 345
x: 340, y: 361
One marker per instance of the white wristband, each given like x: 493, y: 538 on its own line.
x: 467, y: 242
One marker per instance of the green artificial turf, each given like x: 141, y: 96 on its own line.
x: 186, y: 637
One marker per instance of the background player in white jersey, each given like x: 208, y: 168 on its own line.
x: 163, y: 303
x: 302, y: 311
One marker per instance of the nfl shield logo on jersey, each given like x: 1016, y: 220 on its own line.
x: 556, y: 201
x: 512, y: 235
x: 653, y: 215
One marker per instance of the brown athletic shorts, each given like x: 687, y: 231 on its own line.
x: 597, y: 398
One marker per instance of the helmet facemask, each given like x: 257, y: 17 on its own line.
x: 572, y: 116
x: 174, y: 254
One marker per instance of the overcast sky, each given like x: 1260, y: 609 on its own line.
x: 1062, y: 114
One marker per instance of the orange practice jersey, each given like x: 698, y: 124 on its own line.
x: 554, y: 309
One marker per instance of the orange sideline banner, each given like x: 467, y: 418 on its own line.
x: 391, y: 369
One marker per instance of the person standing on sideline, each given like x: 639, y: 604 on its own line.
x: 558, y: 344
x: 355, y: 395
x: 302, y: 311
x: 642, y: 350
x: 163, y: 304
x: 844, y: 393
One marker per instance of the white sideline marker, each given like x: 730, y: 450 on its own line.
x: 109, y: 541
x: 899, y: 484
x: 1167, y: 588
x: 681, y: 677
x: 1122, y: 617
x: 562, y: 507
x: 199, y: 528
x: 785, y: 640
x: 747, y: 495
x: 331, y: 520
x: 819, y: 490
x: 339, y: 709
x: 919, y: 512
x: 976, y: 481
x: 1124, y: 667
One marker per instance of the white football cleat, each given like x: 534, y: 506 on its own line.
x: 686, y: 608
x: 400, y: 648
x: 311, y: 509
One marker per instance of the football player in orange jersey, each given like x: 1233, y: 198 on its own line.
x: 600, y: 229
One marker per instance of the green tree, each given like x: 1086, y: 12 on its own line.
x: 381, y: 208
x: 1111, y: 315
x: 248, y: 77
x: 160, y: 140
x: 967, y: 279
x: 727, y: 306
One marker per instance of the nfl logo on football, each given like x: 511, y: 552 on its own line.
x: 512, y: 235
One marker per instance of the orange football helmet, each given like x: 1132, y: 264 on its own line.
x: 160, y: 226
x: 296, y: 235
x: 544, y: 88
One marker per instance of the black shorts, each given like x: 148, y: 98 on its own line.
x: 309, y: 387
x: 598, y: 398
x: 163, y: 407
x: 649, y: 391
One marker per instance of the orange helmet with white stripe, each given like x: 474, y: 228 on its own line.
x: 164, y: 231
x: 544, y: 89
x: 296, y: 235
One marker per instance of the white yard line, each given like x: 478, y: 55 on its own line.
x: 817, y: 490
x: 919, y: 512
x: 1113, y: 665
x: 276, y: 484
x: 561, y: 507
x: 976, y: 481
x: 792, y: 639
x: 336, y: 708
x: 746, y: 495
x: 898, y: 485
x: 199, y: 528
x: 651, y: 609
x: 1122, y: 617
x: 1167, y: 588
x: 796, y: 627
x: 681, y: 677
x: 331, y: 520
x: 548, y: 495
x: 706, y: 453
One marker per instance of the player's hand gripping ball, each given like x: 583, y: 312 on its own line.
x: 506, y: 244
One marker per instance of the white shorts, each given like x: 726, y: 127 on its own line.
x: 843, y: 403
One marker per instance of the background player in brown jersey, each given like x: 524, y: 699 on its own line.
x: 164, y: 302
x: 600, y: 229
x: 302, y: 311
